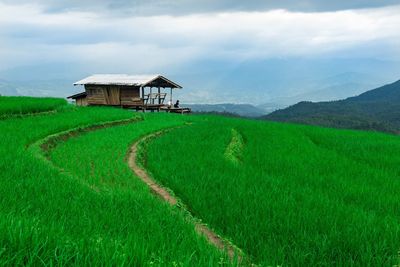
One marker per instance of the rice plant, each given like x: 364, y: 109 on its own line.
x: 50, y: 216
x: 285, y: 194
x: 22, y: 105
x: 301, y: 195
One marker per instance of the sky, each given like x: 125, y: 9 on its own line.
x: 215, y: 48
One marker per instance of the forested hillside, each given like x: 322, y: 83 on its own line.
x: 377, y: 109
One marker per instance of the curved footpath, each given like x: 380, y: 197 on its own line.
x: 50, y: 142
x: 165, y: 194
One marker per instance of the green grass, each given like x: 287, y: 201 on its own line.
x: 20, y: 105
x: 97, y: 213
x: 285, y: 194
x: 53, y: 217
x: 101, y: 165
x: 300, y: 196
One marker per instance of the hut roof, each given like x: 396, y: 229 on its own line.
x: 79, y: 95
x: 153, y: 80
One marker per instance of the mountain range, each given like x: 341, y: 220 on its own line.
x: 266, y: 83
x: 377, y: 109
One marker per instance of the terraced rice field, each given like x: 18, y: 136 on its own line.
x: 284, y: 194
x: 51, y: 216
x: 288, y: 194
x: 22, y: 105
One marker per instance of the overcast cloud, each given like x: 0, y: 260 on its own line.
x: 156, y: 36
x: 174, y: 7
x: 29, y: 34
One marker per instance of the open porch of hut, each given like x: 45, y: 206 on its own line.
x: 140, y: 92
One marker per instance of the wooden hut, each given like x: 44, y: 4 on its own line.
x: 128, y: 91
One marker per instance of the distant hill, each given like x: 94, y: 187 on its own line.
x: 38, y: 88
x: 377, y: 109
x: 245, y: 110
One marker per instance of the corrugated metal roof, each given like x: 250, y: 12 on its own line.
x: 123, y: 79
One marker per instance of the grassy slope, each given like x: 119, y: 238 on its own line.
x: 286, y: 194
x: 101, y: 164
x: 18, y: 105
x: 300, y: 195
x: 48, y: 217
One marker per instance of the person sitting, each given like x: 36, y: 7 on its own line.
x: 176, y: 105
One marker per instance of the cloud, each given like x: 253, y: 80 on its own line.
x: 181, y: 7
x: 245, y: 51
x: 72, y: 43
x: 29, y: 35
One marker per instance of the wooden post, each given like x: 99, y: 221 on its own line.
x: 142, y: 96
x: 170, y: 96
x: 150, y: 96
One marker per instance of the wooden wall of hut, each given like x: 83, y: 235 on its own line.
x: 113, y: 95
x: 95, y: 94
x: 81, y: 101
x: 130, y: 95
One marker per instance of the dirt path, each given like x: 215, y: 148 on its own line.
x: 162, y: 192
x: 50, y: 142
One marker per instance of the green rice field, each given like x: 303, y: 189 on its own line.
x: 21, y: 105
x: 294, y: 195
x: 52, y: 217
x: 286, y: 195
